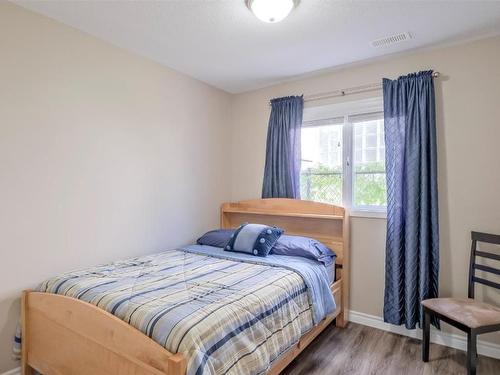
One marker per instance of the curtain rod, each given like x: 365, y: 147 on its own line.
x: 349, y: 91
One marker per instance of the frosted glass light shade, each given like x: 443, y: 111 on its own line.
x: 271, y: 11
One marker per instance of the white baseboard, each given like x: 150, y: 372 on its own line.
x: 15, y: 371
x: 452, y: 340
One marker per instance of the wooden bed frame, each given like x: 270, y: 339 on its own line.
x: 66, y: 336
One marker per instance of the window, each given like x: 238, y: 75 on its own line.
x: 343, y: 155
x: 322, y: 161
x: 368, y: 185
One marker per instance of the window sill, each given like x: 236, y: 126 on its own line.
x: 369, y: 214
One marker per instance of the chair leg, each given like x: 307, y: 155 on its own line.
x: 426, y: 336
x: 471, y: 352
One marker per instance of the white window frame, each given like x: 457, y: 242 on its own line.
x: 347, y: 110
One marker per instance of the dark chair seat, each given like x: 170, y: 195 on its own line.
x: 469, y: 312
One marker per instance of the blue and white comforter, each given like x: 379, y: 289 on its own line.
x: 229, y: 313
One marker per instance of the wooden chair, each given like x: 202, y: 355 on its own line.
x: 467, y: 314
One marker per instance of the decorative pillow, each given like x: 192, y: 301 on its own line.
x: 304, y: 247
x: 217, y: 238
x: 256, y: 239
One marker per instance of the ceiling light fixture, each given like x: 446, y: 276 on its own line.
x: 271, y: 11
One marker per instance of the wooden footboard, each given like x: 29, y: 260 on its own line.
x: 63, y: 336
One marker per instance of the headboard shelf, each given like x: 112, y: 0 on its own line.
x: 325, y: 222
x: 292, y: 214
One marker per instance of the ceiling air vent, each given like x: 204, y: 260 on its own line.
x: 389, y: 40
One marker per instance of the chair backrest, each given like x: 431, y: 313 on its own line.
x: 473, y: 266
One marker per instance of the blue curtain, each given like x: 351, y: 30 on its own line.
x: 412, y: 247
x: 282, y: 170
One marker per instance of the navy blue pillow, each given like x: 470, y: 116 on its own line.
x: 255, y: 239
x: 217, y: 238
x: 304, y: 247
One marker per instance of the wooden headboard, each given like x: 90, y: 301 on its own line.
x: 325, y: 222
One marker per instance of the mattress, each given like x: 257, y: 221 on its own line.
x: 228, y: 315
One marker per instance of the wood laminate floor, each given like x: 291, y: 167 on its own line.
x: 364, y: 350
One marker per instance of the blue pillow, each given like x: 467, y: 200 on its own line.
x: 217, y: 238
x: 256, y: 239
x: 304, y: 247
x: 285, y: 245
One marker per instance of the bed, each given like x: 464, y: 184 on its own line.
x: 71, y: 333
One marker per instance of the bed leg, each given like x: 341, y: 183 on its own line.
x: 25, y: 368
x: 341, y: 320
x: 177, y: 364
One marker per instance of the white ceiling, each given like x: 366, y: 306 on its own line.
x: 220, y: 42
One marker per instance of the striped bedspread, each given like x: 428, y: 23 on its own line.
x: 228, y: 316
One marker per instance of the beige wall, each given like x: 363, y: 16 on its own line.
x: 468, y: 108
x: 104, y: 155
